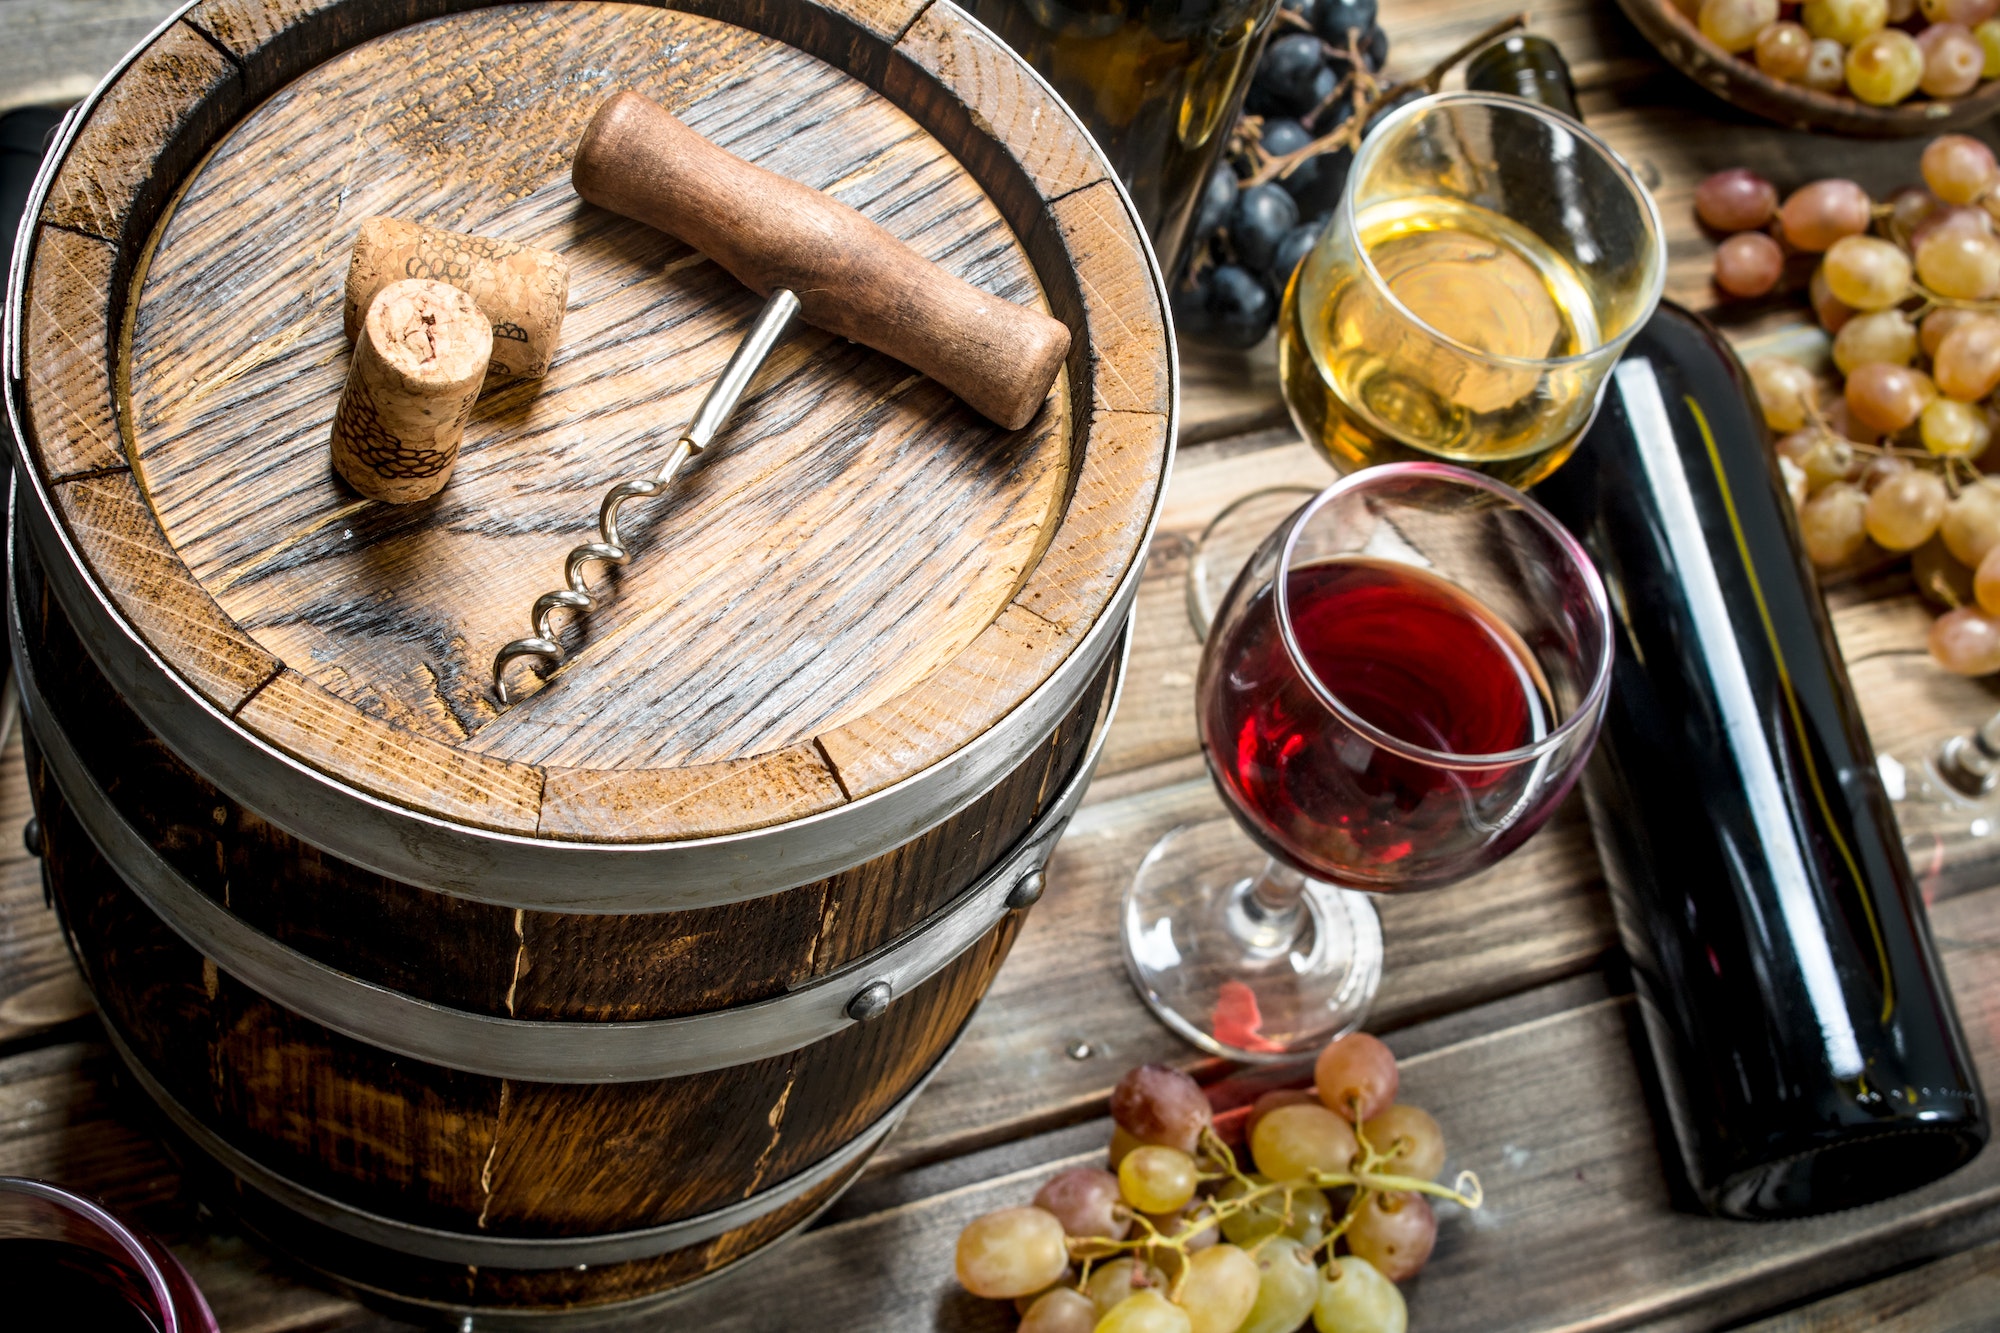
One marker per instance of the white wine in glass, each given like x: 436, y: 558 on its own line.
x: 1487, y: 266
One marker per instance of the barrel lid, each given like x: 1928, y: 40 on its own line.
x: 860, y: 582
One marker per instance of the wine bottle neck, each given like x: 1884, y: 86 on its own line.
x: 1524, y: 65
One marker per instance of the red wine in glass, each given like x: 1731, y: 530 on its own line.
x: 1401, y: 684
x: 54, y: 1284
x: 1406, y: 653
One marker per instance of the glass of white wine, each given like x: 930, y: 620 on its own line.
x: 1486, y: 267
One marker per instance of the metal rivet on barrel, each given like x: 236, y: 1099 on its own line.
x: 870, y: 1001
x: 1027, y: 890
x: 31, y: 834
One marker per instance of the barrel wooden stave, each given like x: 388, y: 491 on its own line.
x: 400, y: 1138
x: 495, y: 960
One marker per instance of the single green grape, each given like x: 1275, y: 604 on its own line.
x: 1885, y: 67
x: 1156, y: 1179
x: 1287, y: 1289
x: 1218, y: 1289
x: 1145, y: 1312
x: 1357, y: 1299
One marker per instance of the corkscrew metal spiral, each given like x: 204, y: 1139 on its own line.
x: 609, y: 549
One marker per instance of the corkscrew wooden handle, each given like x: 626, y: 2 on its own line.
x: 852, y: 277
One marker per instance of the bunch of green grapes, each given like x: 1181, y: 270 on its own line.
x: 1881, y: 51
x: 1891, y: 461
x: 1177, y: 1237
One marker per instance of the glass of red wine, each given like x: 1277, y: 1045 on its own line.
x: 67, y: 1262
x: 1400, y: 686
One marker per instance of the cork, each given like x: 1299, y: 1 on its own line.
x: 417, y: 367
x: 520, y: 289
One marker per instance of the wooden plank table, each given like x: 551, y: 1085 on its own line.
x: 1505, y: 996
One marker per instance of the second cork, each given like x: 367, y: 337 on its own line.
x: 522, y: 290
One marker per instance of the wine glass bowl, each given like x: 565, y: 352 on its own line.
x: 1397, y: 711
x: 1397, y: 690
x: 1488, y: 263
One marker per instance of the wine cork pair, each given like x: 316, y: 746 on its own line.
x: 431, y: 313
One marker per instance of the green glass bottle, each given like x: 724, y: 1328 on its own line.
x: 1525, y: 65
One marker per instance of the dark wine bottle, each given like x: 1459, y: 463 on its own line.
x: 1525, y: 65
x: 1806, y: 1044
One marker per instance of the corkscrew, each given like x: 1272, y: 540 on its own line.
x: 609, y: 548
x: 817, y: 258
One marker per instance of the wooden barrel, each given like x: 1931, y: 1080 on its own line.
x: 571, y: 1002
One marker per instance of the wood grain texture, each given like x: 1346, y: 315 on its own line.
x: 969, y: 695
x: 115, y: 531
x: 1117, y: 362
x: 697, y: 802
x: 1054, y: 153
x: 66, y: 356
x: 1539, y: 916
x: 492, y: 960
x: 39, y: 986
x: 309, y: 723
x: 443, y: 1148
x: 876, y: 529
x: 1113, y: 497
x: 142, y: 136
x: 1579, y: 1231
x: 1959, y: 1294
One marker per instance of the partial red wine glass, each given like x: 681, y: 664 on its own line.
x: 68, y: 1262
x: 1400, y: 686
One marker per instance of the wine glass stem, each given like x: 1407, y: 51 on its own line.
x: 1265, y: 914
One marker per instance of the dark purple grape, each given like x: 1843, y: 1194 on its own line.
x: 1375, y: 49
x: 1317, y: 185
x: 1282, y: 136
x: 1338, y: 17
x: 1240, y: 308
x: 1325, y: 84
x: 1218, y: 196
x: 1337, y: 113
x: 1286, y: 76
x: 1156, y: 1103
x: 1305, y: 9
x: 1189, y: 307
x: 1297, y: 243
x: 1262, y: 216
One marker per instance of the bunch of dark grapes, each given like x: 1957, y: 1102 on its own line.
x: 1264, y: 204
x: 1328, y: 1208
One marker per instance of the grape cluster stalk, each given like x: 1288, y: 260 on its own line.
x: 1895, y: 460
x: 1183, y: 1239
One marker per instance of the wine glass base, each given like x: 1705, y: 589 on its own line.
x: 1214, y: 966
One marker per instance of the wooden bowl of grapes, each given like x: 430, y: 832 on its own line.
x: 1923, y: 75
